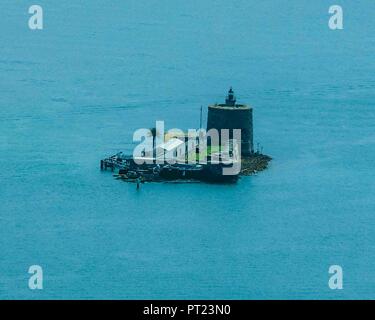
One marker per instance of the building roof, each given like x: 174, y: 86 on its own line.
x: 171, y: 144
x: 179, y: 134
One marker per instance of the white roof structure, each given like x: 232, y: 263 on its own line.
x: 171, y: 144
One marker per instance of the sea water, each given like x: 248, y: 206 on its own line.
x: 75, y: 92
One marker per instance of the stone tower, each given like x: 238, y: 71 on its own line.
x: 233, y: 116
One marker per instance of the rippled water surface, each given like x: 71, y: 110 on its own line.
x: 75, y: 92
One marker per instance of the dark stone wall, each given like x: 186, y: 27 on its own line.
x: 234, y: 118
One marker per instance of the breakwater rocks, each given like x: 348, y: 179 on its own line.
x: 254, y: 163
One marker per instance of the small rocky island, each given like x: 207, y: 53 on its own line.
x: 222, y: 152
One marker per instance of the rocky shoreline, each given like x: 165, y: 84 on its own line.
x: 254, y: 163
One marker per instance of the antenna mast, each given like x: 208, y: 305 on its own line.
x: 200, y: 119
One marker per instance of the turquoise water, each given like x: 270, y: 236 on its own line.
x: 75, y: 92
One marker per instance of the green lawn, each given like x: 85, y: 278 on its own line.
x: 209, y: 150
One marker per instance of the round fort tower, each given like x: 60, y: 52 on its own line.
x: 233, y: 116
